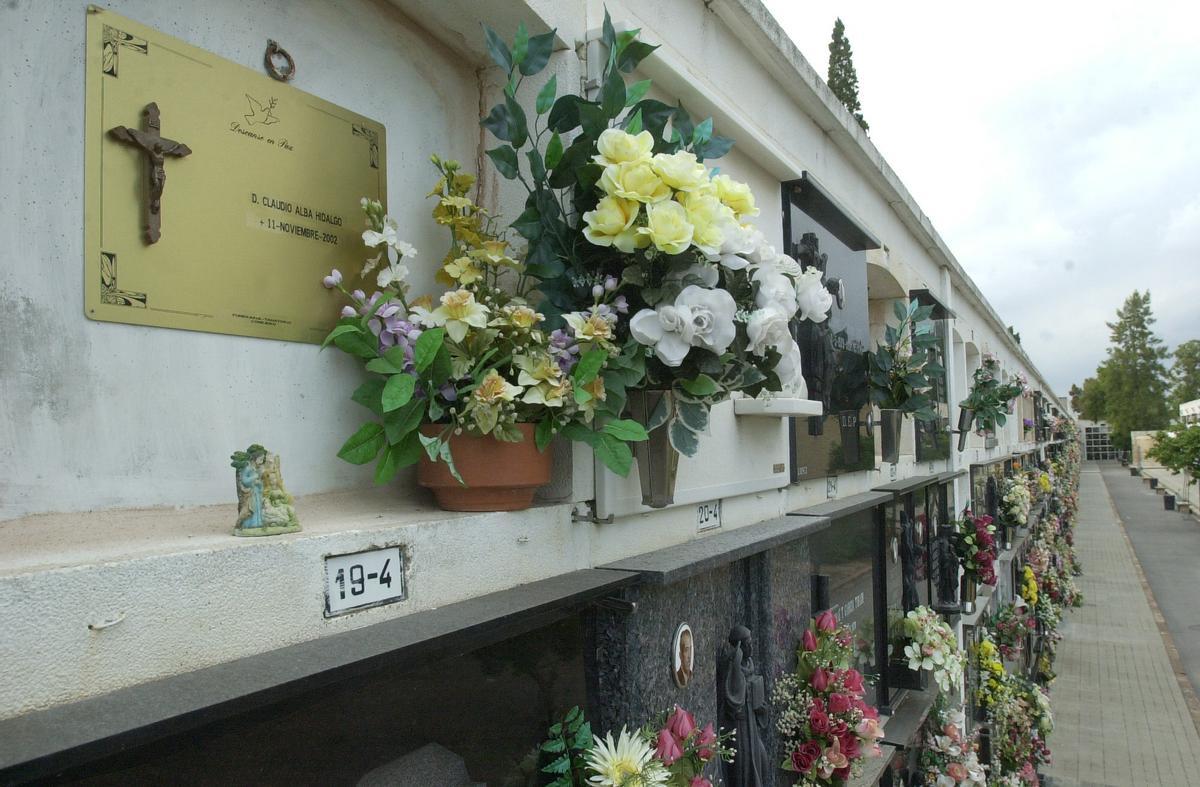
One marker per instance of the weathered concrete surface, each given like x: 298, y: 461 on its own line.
x: 1120, y: 716
x: 1167, y: 544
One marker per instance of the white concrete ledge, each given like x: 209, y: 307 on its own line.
x: 777, y: 407
x: 189, y: 594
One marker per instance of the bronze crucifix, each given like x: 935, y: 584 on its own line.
x: 157, y: 147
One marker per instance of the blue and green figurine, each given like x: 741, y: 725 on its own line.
x: 264, y: 506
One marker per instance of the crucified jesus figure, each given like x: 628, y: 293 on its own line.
x: 157, y: 147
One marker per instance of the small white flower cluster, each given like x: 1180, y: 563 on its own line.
x: 933, y: 647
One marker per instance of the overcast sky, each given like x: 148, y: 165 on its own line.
x: 1055, y: 146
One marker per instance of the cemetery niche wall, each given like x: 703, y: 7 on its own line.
x: 818, y: 233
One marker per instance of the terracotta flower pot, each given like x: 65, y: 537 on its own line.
x: 499, y: 476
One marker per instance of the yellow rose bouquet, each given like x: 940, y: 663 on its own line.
x: 641, y: 248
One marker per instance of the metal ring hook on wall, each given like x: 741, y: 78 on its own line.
x: 275, y: 50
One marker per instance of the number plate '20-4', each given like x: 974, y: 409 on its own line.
x: 363, y: 579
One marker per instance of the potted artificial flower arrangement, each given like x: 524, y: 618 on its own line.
x: 975, y: 545
x: 1012, y: 627
x: 825, y: 726
x: 902, y: 372
x: 1015, y: 503
x: 987, y: 401
x: 931, y: 648
x: 472, y: 387
x: 950, y: 756
x: 636, y: 242
x: 671, y: 751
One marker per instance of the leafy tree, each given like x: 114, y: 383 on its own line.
x: 1179, y: 450
x: 843, y: 79
x: 1133, y: 378
x: 1185, y: 374
x: 1075, y: 392
x: 1090, y: 400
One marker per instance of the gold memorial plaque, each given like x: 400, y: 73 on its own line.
x: 216, y: 197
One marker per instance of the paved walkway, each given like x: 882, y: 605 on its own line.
x: 1120, y: 716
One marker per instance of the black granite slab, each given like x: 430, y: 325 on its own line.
x: 950, y: 475
x: 42, y: 743
x: 902, y: 485
x: 673, y: 564
x: 844, y: 506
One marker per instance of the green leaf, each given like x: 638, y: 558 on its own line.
x: 517, y: 129
x: 426, y: 348
x: 683, y: 439
x: 431, y: 445
x: 564, y: 116
x: 633, y: 54
x: 701, y: 385
x: 703, y: 132
x: 561, y: 765
x: 554, y: 151
x: 716, y: 147
x: 363, y: 445
x: 401, y: 422
x: 395, y: 457
x: 554, y: 745
x: 369, y: 395
x: 608, y: 36
x: 398, y: 391
x: 659, y: 415
x: 529, y: 224
x: 520, y: 44
x: 655, y: 116
x: 633, y: 124
x: 900, y: 309
x: 593, y: 119
x: 356, y: 344
x: 340, y: 330
x: 588, y: 367
x: 636, y: 92
x: 545, y: 96
x: 544, y: 433
x: 614, y: 453
x: 681, y: 124
x: 693, y: 414
x: 536, y: 167
x: 504, y: 157
x: 627, y: 430
x: 501, y: 56
x: 540, y: 48
x: 499, y: 123
x: 612, y: 95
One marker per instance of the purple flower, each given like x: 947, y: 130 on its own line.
x: 449, y: 392
x: 621, y: 305
x: 610, y: 283
x: 598, y: 291
x: 333, y: 279
x: 564, y: 350
x: 349, y: 311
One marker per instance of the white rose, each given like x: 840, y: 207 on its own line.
x: 789, y: 370
x: 812, y: 299
x: 775, y: 288
x: 767, y: 328
x: 738, y: 241
x: 699, y: 318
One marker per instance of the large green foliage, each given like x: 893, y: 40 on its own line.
x: 904, y: 366
x: 1129, y: 390
x: 1185, y: 374
x: 843, y: 79
x: 1178, y: 450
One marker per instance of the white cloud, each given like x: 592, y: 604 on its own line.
x: 1053, y: 146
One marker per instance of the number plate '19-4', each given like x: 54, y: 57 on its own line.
x: 363, y: 579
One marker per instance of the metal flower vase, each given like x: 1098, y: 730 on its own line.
x: 657, y: 459
x: 965, y: 417
x: 891, y: 422
x: 969, y: 590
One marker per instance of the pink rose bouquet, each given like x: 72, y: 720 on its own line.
x: 826, y: 726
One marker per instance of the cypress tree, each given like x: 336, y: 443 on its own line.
x: 1133, y: 377
x: 843, y: 79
